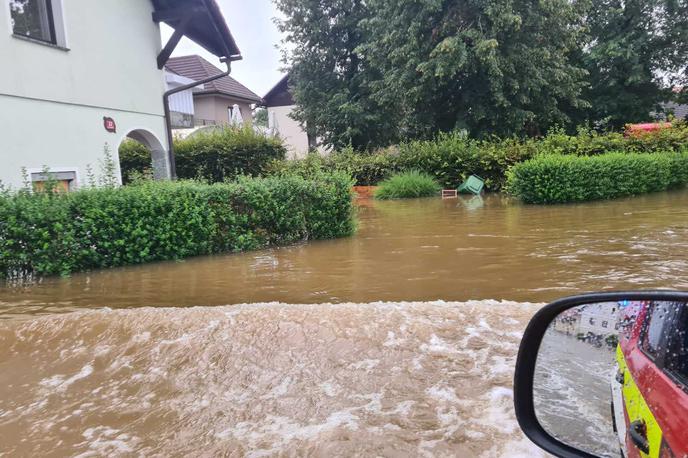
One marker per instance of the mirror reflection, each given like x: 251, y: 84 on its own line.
x: 611, y: 378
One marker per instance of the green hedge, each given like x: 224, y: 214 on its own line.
x: 408, y: 185
x: 451, y: 158
x: 44, y: 234
x: 134, y: 160
x: 226, y: 153
x: 556, y: 178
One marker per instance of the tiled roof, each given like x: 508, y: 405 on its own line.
x: 197, y: 68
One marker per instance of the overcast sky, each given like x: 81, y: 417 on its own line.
x: 251, y: 24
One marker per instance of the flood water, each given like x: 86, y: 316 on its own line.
x: 572, y: 393
x: 419, y: 250
x: 359, y: 357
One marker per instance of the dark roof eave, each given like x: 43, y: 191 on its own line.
x: 233, y: 51
x: 276, y: 87
x: 258, y: 101
x: 207, y: 27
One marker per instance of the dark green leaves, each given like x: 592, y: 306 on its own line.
x: 555, y: 178
x: 44, y: 234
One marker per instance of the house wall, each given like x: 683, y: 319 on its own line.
x: 53, y: 100
x: 215, y: 108
x: 291, y: 132
x: 599, y: 319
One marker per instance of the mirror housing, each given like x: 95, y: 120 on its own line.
x: 524, y: 403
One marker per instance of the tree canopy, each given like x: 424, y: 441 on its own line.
x: 367, y: 73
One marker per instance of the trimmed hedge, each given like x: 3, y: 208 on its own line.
x: 451, y: 158
x: 225, y: 153
x: 45, y: 234
x: 408, y: 185
x: 556, y: 178
x: 134, y: 160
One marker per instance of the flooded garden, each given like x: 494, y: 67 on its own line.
x: 398, y: 341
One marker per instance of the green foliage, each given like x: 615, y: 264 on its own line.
x: 451, y: 158
x: 408, y: 185
x: 556, y: 178
x: 588, y: 142
x: 260, y: 117
x: 226, y: 153
x: 492, y: 67
x: 134, y: 160
x: 634, y: 52
x: 329, y: 78
x: 46, y: 233
x: 373, y: 73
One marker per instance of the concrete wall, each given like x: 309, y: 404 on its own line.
x: 216, y: 108
x: 295, y: 138
x: 53, y: 100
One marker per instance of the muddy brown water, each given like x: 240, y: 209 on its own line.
x: 420, y: 250
x: 368, y: 360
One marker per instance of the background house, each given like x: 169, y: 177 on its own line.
x: 280, y: 105
x: 214, y: 102
x: 84, y: 74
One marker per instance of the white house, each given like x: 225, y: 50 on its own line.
x: 599, y: 319
x: 81, y: 74
x: 280, y: 106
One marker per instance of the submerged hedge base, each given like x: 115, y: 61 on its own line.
x: 551, y: 179
x: 43, y: 234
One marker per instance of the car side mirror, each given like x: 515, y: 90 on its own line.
x: 606, y: 374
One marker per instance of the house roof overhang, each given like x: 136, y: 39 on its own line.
x: 199, y: 20
x: 279, y: 95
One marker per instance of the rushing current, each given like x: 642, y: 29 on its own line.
x: 159, y: 360
x: 408, y: 379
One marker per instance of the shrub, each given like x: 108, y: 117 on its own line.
x: 45, y: 233
x: 451, y: 158
x: 226, y: 153
x: 134, y: 160
x: 407, y: 185
x: 558, y: 178
x: 588, y: 142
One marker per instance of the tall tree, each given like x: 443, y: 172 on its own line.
x: 637, y: 51
x: 488, y: 66
x: 329, y: 79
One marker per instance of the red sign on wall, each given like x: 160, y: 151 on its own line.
x: 109, y: 124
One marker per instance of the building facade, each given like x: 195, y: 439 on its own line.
x: 82, y: 75
x: 214, y: 102
x: 280, y: 105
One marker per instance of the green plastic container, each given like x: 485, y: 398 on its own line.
x: 474, y: 185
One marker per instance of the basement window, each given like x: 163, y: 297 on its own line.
x: 58, y: 181
x: 38, y: 20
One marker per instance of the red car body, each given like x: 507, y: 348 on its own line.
x: 664, y: 394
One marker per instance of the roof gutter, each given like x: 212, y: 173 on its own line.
x: 168, y: 120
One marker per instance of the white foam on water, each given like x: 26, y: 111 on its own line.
x: 58, y: 382
x: 422, y: 378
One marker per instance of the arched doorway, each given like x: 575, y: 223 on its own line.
x: 156, y: 162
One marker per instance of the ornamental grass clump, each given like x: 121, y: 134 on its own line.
x: 408, y: 185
